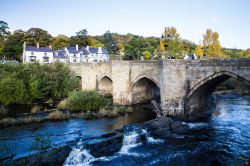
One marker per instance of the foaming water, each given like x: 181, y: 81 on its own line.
x: 133, y: 137
x: 224, y: 140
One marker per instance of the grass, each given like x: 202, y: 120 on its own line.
x: 57, y: 115
x: 36, y: 109
x: 62, y: 104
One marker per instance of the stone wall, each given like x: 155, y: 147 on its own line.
x: 181, y: 82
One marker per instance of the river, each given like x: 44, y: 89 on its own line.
x: 224, y: 139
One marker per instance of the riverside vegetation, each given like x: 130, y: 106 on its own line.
x: 53, y: 92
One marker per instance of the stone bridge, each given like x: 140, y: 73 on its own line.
x: 181, y: 86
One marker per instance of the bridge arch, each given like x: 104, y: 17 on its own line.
x: 144, y: 89
x: 105, y: 85
x: 198, y: 95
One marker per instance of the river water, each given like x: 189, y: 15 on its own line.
x: 224, y: 139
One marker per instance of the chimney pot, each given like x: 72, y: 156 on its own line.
x: 77, y: 47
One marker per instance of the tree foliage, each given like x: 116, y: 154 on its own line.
x: 4, y: 28
x: 13, y: 46
x: 59, y: 42
x: 146, y: 55
x: 211, y: 44
x: 38, y: 35
x: 172, y: 41
x: 25, y: 83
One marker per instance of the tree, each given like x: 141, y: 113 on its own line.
x: 4, y: 28
x: 13, y: 46
x: 172, y: 41
x: 199, y: 51
x: 38, y: 35
x: 146, y: 55
x: 96, y: 43
x: 211, y: 44
x: 81, y: 39
x: 60, y: 41
x: 110, y: 42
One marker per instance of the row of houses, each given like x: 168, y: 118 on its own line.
x: 67, y: 55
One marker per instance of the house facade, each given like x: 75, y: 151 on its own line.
x: 66, y: 55
x: 84, y: 54
x: 38, y: 54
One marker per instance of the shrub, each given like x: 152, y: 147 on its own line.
x: 130, y: 109
x: 35, y: 109
x: 62, y: 104
x: 85, y: 101
x: 56, y: 115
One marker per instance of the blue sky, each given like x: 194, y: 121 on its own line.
x: 230, y: 18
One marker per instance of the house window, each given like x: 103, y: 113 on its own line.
x: 45, y: 54
x: 32, y: 53
x: 46, y: 59
x: 74, y: 55
x: 74, y: 60
x: 32, y: 58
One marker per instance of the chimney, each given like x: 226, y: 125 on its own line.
x: 87, y: 48
x: 77, y: 47
x: 50, y: 46
x: 37, y: 45
x: 99, y: 49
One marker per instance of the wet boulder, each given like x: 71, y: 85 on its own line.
x: 105, y: 145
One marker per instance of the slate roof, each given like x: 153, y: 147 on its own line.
x: 60, y: 54
x: 40, y: 49
x: 72, y: 50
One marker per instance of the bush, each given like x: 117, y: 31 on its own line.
x: 85, y: 101
x: 35, y: 109
x: 62, y: 104
x: 56, y: 115
x: 25, y: 83
x: 130, y: 109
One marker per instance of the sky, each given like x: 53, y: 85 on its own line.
x: 230, y: 18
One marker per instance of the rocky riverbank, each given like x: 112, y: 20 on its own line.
x: 104, y: 145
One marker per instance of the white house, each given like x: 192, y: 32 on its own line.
x: 84, y: 54
x: 37, y: 54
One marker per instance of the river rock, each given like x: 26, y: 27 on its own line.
x: 106, y: 144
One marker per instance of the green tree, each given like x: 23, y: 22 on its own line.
x: 13, y: 46
x: 96, y: 43
x: 60, y: 41
x: 172, y: 41
x: 109, y: 42
x: 81, y: 39
x: 12, y: 91
x: 4, y: 28
x: 146, y: 55
x: 38, y: 35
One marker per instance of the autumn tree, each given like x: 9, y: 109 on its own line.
x: 211, y: 44
x: 60, y: 41
x: 171, y: 41
x: 199, y: 51
x: 96, y: 43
